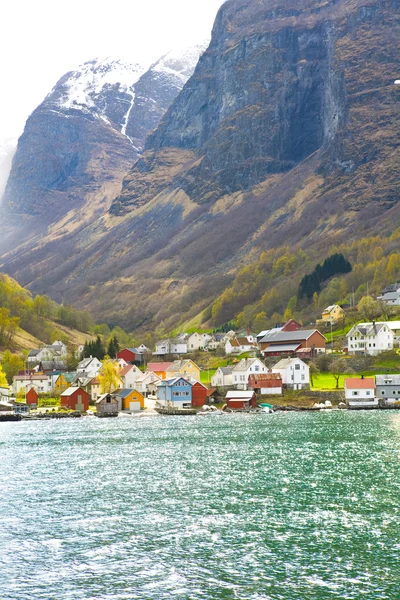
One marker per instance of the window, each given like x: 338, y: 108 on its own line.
x: 367, y: 393
x: 257, y: 368
x: 302, y: 377
x: 297, y: 367
x: 355, y: 393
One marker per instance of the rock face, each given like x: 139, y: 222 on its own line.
x: 272, y: 88
x: 89, y: 130
x: 286, y: 134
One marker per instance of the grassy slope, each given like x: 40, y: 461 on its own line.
x: 25, y: 341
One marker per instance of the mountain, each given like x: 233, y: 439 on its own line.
x: 285, y: 138
x: 7, y: 151
x: 80, y: 142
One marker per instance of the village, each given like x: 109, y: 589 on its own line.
x: 271, y: 370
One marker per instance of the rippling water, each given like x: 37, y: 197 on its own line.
x: 294, y: 506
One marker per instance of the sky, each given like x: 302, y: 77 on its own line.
x: 40, y: 40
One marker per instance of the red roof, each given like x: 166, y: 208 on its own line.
x: 353, y: 383
x: 158, y: 366
x: 125, y: 370
x: 265, y: 380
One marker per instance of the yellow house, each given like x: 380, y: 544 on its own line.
x: 183, y: 368
x: 63, y: 381
x: 128, y: 399
x: 332, y: 314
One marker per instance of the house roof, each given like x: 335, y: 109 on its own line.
x: 387, y: 379
x: 86, y: 362
x: 145, y: 376
x: 331, y: 307
x: 125, y: 370
x: 355, y: 383
x: 50, y: 365
x: 177, y: 365
x: 391, y: 296
x: 158, y: 366
x: 101, y: 398
x: 245, y: 364
x: 265, y: 380
x: 171, y: 382
x: 33, y: 352
x: 31, y: 377
x: 282, y: 348
x: 289, y: 336
x: 371, y: 328
x: 226, y: 370
x: 124, y: 393
x: 393, y: 287
x: 71, y: 390
x: 239, y: 395
x: 285, y: 363
x: 69, y: 377
x: 243, y: 341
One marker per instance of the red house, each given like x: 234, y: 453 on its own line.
x: 240, y: 400
x: 291, y: 325
x: 32, y: 396
x: 199, y: 394
x: 130, y: 355
x: 75, y: 398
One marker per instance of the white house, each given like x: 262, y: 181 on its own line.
x: 238, y: 345
x: 147, y: 382
x: 40, y: 383
x: 388, y: 389
x: 197, y: 341
x: 57, y: 350
x: 395, y: 328
x: 246, y: 367
x: 360, y: 393
x: 294, y: 372
x: 175, y: 346
x: 129, y: 376
x: 370, y: 338
x: 142, y: 349
x: 4, y: 393
x: 222, y: 377
x: 88, y: 368
x: 391, y: 295
x: 216, y: 340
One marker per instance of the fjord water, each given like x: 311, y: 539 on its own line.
x: 284, y: 506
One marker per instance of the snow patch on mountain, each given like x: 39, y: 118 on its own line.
x: 180, y: 62
x: 81, y: 88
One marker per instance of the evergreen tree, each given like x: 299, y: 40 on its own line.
x: 311, y: 283
x: 113, y: 347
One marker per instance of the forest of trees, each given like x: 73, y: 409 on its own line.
x: 265, y: 292
x: 333, y: 265
x: 40, y: 316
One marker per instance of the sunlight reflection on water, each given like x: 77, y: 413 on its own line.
x: 296, y: 506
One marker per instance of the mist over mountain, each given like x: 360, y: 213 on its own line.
x: 285, y: 136
x: 7, y: 151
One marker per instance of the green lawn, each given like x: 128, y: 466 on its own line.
x: 326, y: 381
x: 205, y: 376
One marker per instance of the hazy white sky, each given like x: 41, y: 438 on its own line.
x: 40, y: 40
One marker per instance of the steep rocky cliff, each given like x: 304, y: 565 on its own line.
x: 89, y: 131
x: 287, y: 133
